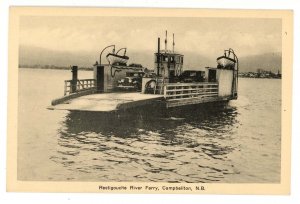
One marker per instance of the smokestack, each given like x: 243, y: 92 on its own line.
x: 173, y: 42
x: 166, y: 41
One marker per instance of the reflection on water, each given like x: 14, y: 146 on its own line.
x: 240, y: 143
x: 187, y: 145
x: 125, y: 124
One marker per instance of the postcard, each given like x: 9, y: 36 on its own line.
x: 138, y: 100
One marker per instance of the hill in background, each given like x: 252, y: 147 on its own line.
x: 30, y: 56
x: 269, y: 62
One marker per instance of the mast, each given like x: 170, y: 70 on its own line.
x: 158, y: 56
x: 173, y: 43
x: 166, y: 41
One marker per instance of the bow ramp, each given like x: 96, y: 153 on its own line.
x: 106, y: 102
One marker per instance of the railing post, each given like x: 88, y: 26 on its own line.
x: 65, y: 89
x: 74, y: 79
x: 165, y: 90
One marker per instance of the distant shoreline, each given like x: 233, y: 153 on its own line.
x: 262, y: 74
x: 241, y: 75
x: 56, y: 68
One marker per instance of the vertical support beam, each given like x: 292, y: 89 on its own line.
x: 74, y: 79
x: 165, y: 91
x: 166, y: 41
x: 99, y: 78
x: 173, y: 43
x: 65, y: 88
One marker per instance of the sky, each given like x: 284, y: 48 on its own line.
x: 206, y: 36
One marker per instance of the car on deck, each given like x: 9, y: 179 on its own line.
x: 132, y: 81
x: 189, y: 76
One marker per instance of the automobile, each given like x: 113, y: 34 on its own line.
x: 150, y: 75
x: 189, y: 76
x: 132, y: 81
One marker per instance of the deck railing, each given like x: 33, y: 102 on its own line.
x: 181, y: 91
x: 72, y: 86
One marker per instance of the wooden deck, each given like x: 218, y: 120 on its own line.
x: 106, y: 102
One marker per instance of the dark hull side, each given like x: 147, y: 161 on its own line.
x: 156, y: 110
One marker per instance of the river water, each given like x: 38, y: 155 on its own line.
x: 237, y: 144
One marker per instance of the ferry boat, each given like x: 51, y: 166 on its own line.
x: 165, y: 88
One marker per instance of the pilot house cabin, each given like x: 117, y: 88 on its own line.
x: 184, y: 87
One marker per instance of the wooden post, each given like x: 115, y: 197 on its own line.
x: 74, y: 79
x: 100, y: 78
x: 65, y: 89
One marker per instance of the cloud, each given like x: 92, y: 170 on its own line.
x: 206, y: 36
